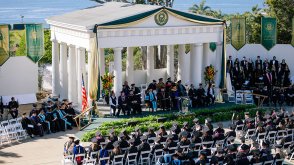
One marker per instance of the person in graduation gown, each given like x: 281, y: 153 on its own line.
x: 65, y: 109
x: 53, y: 119
x: 61, y: 115
x: 123, y: 104
x: 132, y: 149
x: 192, y: 93
x: 201, y: 97
x: 163, y: 99
x: 156, y: 146
x: 230, y: 65
x: 113, y: 104
x: 37, y: 124
x: 78, y: 149
x: 27, y: 125
x: 34, y: 109
x: 144, y: 146
x: 151, y: 98
x: 44, y: 121
x: 152, y: 85
x: 123, y: 143
x: 115, y: 152
x: 210, y: 94
x: 135, y: 103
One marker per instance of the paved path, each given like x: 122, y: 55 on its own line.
x: 46, y: 150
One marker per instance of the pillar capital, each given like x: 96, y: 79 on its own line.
x: 81, y: 48
x: 71, y: 45
x: 62, y: 43
x: 54, y: 40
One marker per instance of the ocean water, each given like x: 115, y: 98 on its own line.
x: 36, y: 11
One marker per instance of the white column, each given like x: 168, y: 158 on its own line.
x: 72, y: 75
x: 81, y: 70
x: 63, y: 71
x: 182, y: 73
x: 55, y: 69
x: 150, y: 63
x: 130, y: 65
x: 196, y: 63
x: 117, y: 71
x: 170, y: 61
x: 102, y: 61
x: 218, y: 64
x: 206, y: 57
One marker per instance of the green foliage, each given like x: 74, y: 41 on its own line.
x: 283, y: 10
x: 216, y: 114
x: 47, y: 58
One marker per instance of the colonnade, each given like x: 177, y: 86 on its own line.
x: 69, y: 64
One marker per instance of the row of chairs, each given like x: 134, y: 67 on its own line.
x: 11, y: 130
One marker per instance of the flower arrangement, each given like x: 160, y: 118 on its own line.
x: 107, y: 83
x: 209, y: 74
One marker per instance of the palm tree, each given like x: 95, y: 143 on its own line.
x: 200, y: 9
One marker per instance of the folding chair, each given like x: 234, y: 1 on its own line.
x: 4, y: 123
x: 185, y: 148
x: 118, y: 159
x: 278, y: 161
x: 144, y: 157
x: 290, y: 132
x: 172, y: 150
x: 271, y: 136
x: 124, y: 149
x: 4, y: 138
x: 292, y: 156
x: 132, y: 159
x: 79, y: 155
x: 89, y: 162
x: 94, y: 155
x: 270, y: 162
x: 21, y: 133
x: 12, y: 134
x: 281, y: 134
x: 258, y: 163
x: 220, y: 143
x: 208, y: 144
x: 157, y: 155
x: 105, y: 159
x: 12, y: 121
x: 261, y: 136
x: 249, y: 133
x: 239, y: 129
x: 18, y: 120
x: 68, y: 160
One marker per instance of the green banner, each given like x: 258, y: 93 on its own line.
x: 238, y: 32
x: 212, y: 46
x: 4, y: 43
x: 268, y: 32
x: 17, y: 43
x: 35, y: 41
x: 292, y: 42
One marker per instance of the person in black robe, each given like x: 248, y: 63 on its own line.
x: 201, y: 97
x: 152, y: 85
x: 230, y: 65
x: 1, y: 108
x: 37, y: 124
x: 135, y: 103
x: 13, y: 108
x: 123, y: 104
x: 192, y: 93
x: 27, y: 125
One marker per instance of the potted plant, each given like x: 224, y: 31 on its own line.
x: 107, y: 84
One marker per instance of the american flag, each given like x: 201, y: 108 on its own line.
x: 84, y: 96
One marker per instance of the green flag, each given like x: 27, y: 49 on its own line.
x: 35, y: 41
x: 268, y: 32
x: 17, y: 42
x: 292, y: 42
x: 238, y: 30
x: 212, y: 46
x: 4, y: 43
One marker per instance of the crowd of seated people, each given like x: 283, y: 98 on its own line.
x: 269, y: 78
x: 196, y: 143
x: 53, y: 116
x: 269, y: 72
x: 164, y: 95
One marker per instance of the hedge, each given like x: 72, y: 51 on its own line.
x: 216, y: 114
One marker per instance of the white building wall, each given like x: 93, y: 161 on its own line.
x: 281, y: 51
x: 19, y: 78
